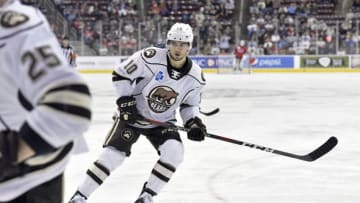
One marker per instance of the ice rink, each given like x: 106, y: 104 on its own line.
x: 290, y: 112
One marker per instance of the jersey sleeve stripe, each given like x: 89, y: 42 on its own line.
x: 80, y: 88
x: 34, y: 140
x: 69, y: 98
x: 184, y: 106
x: 24, y: 101
x: 71, y: 109
x: 73, y: 99
x: 117, y: 77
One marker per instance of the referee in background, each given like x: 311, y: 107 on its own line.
x: 68, y: 51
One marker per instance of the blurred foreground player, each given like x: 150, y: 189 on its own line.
x: 153, y: 83
x: 45, y: 108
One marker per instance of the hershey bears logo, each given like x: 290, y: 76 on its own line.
x: 12, y: 19
x: 127, y: 134
x: 149, y: 53
x: 161, y: 98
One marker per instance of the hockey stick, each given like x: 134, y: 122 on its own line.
x: 210, y: 113
x: 4, y: 123
x: 312, y: 156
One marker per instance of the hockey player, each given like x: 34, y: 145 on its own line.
x: 239, y: 52
x: 45, y: 108
x: 68, y: 51
x: 152, y: 84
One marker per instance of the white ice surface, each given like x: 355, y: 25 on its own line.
x: 290, y: 112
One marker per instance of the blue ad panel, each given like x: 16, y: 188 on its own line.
x: 273, y: 62
x: 214, y: 61
x: 206, y: 61
x: 226, y: 61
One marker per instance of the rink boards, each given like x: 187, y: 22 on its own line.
x: 253, y: 64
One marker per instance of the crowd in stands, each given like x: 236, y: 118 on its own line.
x: 212, y: 21
x: 119, y: 27
x: 300, y: 27
x: 102, y: 24
x: 111, y: 26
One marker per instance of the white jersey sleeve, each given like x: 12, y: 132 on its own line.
x: 190, y: 106
x: 126, y: 74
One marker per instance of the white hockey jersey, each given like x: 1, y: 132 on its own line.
x: 41, y: 97
x: 159, y: 88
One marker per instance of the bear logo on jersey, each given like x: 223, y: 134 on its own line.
x: 149, y: 53
x: 12, y: 19
x: 161, y: 98
x: 127, y: 134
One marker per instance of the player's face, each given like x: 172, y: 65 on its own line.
x: 178, y: 50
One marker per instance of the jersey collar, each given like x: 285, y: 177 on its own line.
x: 178, y: 73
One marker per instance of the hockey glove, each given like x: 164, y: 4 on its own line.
x: 9, y: 144
x: 197, y: 130
x: 127, y: 109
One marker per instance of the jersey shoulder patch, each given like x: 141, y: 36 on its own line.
x: 154, y: 55
x: 149, y: 52
x: 11, y: 19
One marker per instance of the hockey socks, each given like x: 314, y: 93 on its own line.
x: 97, y: 173
x: 159, y: 176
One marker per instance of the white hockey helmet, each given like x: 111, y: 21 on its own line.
x: 180, y: 32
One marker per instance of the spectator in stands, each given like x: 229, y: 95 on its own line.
x: 214, y: 48
x: 224, y: 44
x: 350, y: 44
x: 268, y: 46
x: 199, y: 17
x: 164, y: 10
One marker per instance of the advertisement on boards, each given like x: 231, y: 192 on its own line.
x: 273, y: 62
x: 324, y: 62
x: 214, y: 61
x: 355, y: 61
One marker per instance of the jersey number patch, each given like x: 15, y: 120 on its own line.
x: 41, y: 54
x: 130, y: 67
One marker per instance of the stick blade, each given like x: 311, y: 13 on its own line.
x: 215, y: 111
x: 323, y: 149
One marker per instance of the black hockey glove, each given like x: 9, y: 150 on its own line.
x: 9, y: 144
x: 197, y: 130
x: 127, y: 109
